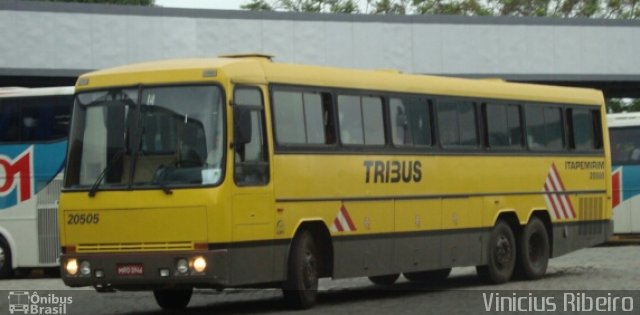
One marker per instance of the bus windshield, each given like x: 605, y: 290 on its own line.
x: 148, y: 137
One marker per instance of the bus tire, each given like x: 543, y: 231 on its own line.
x: 173, y: 299
x: 300, y: 289
x: 534, y: 250
x: 501, y: 255
x: 431, y: 276
x: 384, y: 279
x: 5, y: 259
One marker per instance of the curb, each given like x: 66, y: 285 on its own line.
x: 623, y: 240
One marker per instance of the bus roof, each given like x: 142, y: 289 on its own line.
x: 35, y: 92
x: 259, y: 69
x: 623, y: 120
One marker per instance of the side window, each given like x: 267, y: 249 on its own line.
x: 35, y: 119
x: 585, y: 129
x: 410, y: 121
x: 457, y: 124
x: 303, y: 117
x: 504, y: 130
x: 360, y: 119
x: 289, y: 117
x: 250, y: 146
x: 45, y: 118
x: 350, y: 120
x: 625, y: 145
x: 9, y: 121
x: 544, y: 127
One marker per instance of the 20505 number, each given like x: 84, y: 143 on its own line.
x: 83, y: 218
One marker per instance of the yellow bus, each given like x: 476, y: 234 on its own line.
x: 242, y: 172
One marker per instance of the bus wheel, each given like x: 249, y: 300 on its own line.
x: 301, y: 287
x: 385, y: 279
x: 534, y: 250
x: 501, y: 255
x: 5, y: 260
x: 173, y: 299
x: 431, y: 276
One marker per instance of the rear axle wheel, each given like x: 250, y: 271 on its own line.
x: 501, y: 255
x: 534, y: 252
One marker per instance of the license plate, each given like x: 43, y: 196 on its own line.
x: 130, y: 269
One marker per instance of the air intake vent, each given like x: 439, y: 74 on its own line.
x: 48, y: 197
x: 133, y: 247
x: 48, y: 242
x: 47, y: 205
x: 591, y: 210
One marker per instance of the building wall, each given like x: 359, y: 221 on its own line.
x: 45, y: 37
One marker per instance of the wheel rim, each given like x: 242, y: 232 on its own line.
x: 503, y: 253
x: 309, y: 270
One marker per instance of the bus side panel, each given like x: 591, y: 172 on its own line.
x: 362, y: 256
x: 366, y: 253
x: 570, y: 237
x: 253, y: 263
x: 17, y: 225
x: 462, y: 237
x: 420, y: 250
x: 626, y: 214
x: 592, y: 228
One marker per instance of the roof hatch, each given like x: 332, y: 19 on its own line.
x: 249, y: 55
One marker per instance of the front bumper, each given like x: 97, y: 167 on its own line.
x: 106, y: 264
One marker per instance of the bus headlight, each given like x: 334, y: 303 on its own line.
x: 72, y: 266
x: 182, y: 266
x: 199, y: 264
x: 85, y: 268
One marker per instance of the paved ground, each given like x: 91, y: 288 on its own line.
x: 613, y: 271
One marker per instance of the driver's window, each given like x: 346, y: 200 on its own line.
x: 251, y: 155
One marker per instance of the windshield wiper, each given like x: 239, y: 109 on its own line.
x: 159, y: 177
x: 114, y: 159
x: 165, y: 188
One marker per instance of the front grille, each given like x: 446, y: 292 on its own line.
x: 47, y: 205
x: 48, y: 242
x: 134, y: 247
x: 48, y: 197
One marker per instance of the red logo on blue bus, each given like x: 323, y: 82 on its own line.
x: 616, y: 185
x: 16, y: 175
x: 26, y: 169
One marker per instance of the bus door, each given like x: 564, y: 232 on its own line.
x: 253, y: 200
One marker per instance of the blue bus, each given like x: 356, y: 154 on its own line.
x: 34, y: 126
x: 624, y: 132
